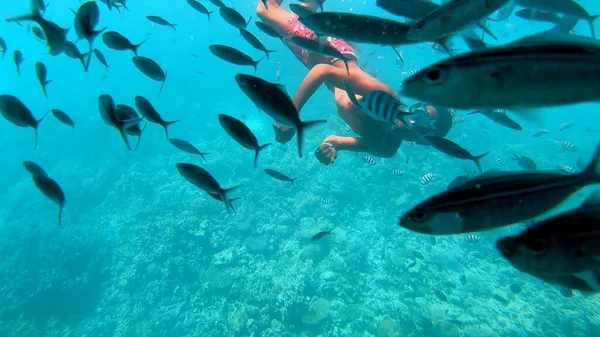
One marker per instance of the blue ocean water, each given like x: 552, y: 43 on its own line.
x: 142, y: 252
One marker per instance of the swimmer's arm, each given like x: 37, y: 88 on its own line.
x: 348, y: 144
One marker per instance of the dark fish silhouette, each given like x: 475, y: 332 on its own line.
x: 525, y: 163
x: 255, y: 42
x: 86, y: 20
x: 531, y: 14
x: 148, y: 111
x: 18, y: 58
x: 3, y: 47
x: 101, y: 58
x: 458, y: 181
x: 200, y: 178
x: 439, y: 294
x: 109, y: 114
x: 116, y: 41
x: 279, y: 176
x: 320, y: 235
x: 56, y: 36
x: 241, y: 134
x: 233, y: 17
x: 38, y: 32
x: 300, y: 10
x: 160, y: 21
x: 126, y: 113
x: 14, y: 111
x: 499, y: 117
x: 73, y: 52
x: 52, y: 191
x: 271, y: 98
x: 34, y: 169
x: 150, y: 69
x: 232, y: 55
x: 411, y: 9
x: 358, y: 28
x: 320, y: 47
x: 452, y: 149
x: 200, y: 8
x: 42, y: 75
x: 217, y: 3
x: 267, y: 29
x: 63, y: 118
x: 185, y: 146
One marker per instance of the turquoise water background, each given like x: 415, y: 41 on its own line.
x: 144, y: 253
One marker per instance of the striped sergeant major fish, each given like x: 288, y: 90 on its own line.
x: 381, y: 106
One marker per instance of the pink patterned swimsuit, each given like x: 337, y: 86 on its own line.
x: 295, y: 28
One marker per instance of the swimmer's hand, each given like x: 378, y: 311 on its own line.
x: 326, y: 153
x: 283, y: 134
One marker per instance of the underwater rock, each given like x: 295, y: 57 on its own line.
x: 318, y: 310
x: 389, y: 328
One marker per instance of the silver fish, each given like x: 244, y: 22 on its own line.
x: 452, y: 149
x: 566, y: 7
x: 536, y: 15
x: 497, y: 199
x: 500, y: 117
x: 516, y: 76
x: 568, y: 243
x: 452, y: 17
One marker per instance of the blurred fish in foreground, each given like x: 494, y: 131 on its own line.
x: 496, y: 199
x: 564, y: 249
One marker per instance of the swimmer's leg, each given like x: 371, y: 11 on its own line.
x: 276, y: 17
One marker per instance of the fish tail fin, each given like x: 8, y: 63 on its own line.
x: 37, y: 123
x: 249, y: 20
x: 593, y: 169
x: 351, y: 94
x: 300, y: 131
x: 60, y: 212
x: 257, y: 62
x: 203, y: 154
x: 208, y: 14
x: 162, y: 86
x: 166, y: 126
x: 260, y: 148
x: 267, y: 52
x: 35, y: 14
x: 478, y: 158
x: 231, y: 203
x: 140, y: 137
x: 124, y: 136
x: 399, y: 54
x: 86, y: 64
x: 591, y: 21
x: 136, y: 46
x: 223, y: 193
x: 292, y: 181
x: 173, y: 26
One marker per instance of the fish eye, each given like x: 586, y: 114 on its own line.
x: 419, y: 216
x: 539, y: 246
x: 420, y: 26
x: 434, y: 76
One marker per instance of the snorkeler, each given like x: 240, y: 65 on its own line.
x: 376, y: 138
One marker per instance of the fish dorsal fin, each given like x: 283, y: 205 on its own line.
x: 281, y: 87
x: 592, y: 201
